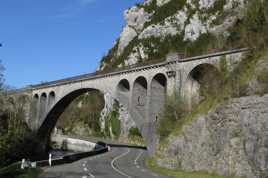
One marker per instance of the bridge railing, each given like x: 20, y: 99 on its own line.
x: 129, y: 69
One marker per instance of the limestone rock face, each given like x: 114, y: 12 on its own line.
x: 190, y: 20
x: 124, y: 116
x: 230, y: 140
x: 135, y: 19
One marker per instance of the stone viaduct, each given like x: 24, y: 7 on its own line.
x: 142, y: 90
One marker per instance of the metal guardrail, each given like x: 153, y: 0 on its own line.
x: 129, y: 69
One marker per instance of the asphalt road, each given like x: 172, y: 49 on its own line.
x: 117, y: 163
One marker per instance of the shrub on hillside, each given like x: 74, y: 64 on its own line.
x: 173, y: 111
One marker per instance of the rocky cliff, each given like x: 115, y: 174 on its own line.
x: 230, y: 140
x: 190, y: 27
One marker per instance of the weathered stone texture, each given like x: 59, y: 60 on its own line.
x: 230, y: 140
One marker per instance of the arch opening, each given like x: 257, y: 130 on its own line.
x: 43, y: 106
x: 123, y: 91
x: 158, y: 95
x: 157, y: 101
x: 124, y: 86
x: 139, y: 103
x: 139, y: 97
x: 204, y: 80
x: 51, y: 99
x: 34, y: 112
x: 76, y: 114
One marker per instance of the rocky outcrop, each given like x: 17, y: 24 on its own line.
x: 230, y: 140
x: 124, y: 116
x: 162, y: 19
x: 255, y: 86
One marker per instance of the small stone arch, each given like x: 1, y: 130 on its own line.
x: 139, y: 103
x: 36, y: 97
x: 123, y: 91
x: 139, y: 95
x: 35, y: 107
x: 43, y: 105
x: 157, y: 95
x: 204, y: 79
x: 51, y: 99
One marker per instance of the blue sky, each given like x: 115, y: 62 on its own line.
x: 46, y: 40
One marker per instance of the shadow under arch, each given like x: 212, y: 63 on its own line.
x: 51, y: 99
x: 123, y: 92
x: 158, y: 95
x: 43, y: 105
x: 55, y: 112
x: 203, y: 80
x: 139, y: 99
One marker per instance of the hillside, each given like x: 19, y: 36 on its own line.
x: 189, y: 27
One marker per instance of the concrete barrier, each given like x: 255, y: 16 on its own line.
x: 72, y: 158
x: 66, y: 143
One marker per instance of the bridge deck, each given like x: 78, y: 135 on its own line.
x: 129, y: 69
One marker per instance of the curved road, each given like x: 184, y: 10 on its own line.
x: 117, y: 163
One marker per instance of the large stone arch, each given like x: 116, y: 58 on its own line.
x: 56, y: 110
x: 203, y: 79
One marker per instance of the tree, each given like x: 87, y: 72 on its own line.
x: 1, y: 75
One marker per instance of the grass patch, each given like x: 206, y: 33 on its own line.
x: 151, y: 164
x: 14, y: 171
x: 112, y: 123
x: 202, y: 108
x: 135, y: 137
x: 262, y: 78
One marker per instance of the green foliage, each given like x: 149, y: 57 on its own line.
x: 111, y: 54
x: 224, y: 67
x: 173, y: 112
x: 14, y: 171
x: 251, y: 31
x: 135, y: 137
x: 263, y: 79
x: 151, y: 163
x: 84, y: 111
x: 164, y: 11
x: 1, y: 76
x: 112, y: 123
x: 134, y: 131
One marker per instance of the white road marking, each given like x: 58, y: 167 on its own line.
x: 138, y: 157
x: 155, y: 175
x: 86, y: 170
x: 117, y: 158
x: 91, y: 175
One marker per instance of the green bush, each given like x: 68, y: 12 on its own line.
x: 134, y: 131
x: 14, y: 171
x: 112, y: 121
x: 173, y: 111
x: 263, y: 79
x: 84, y: 111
